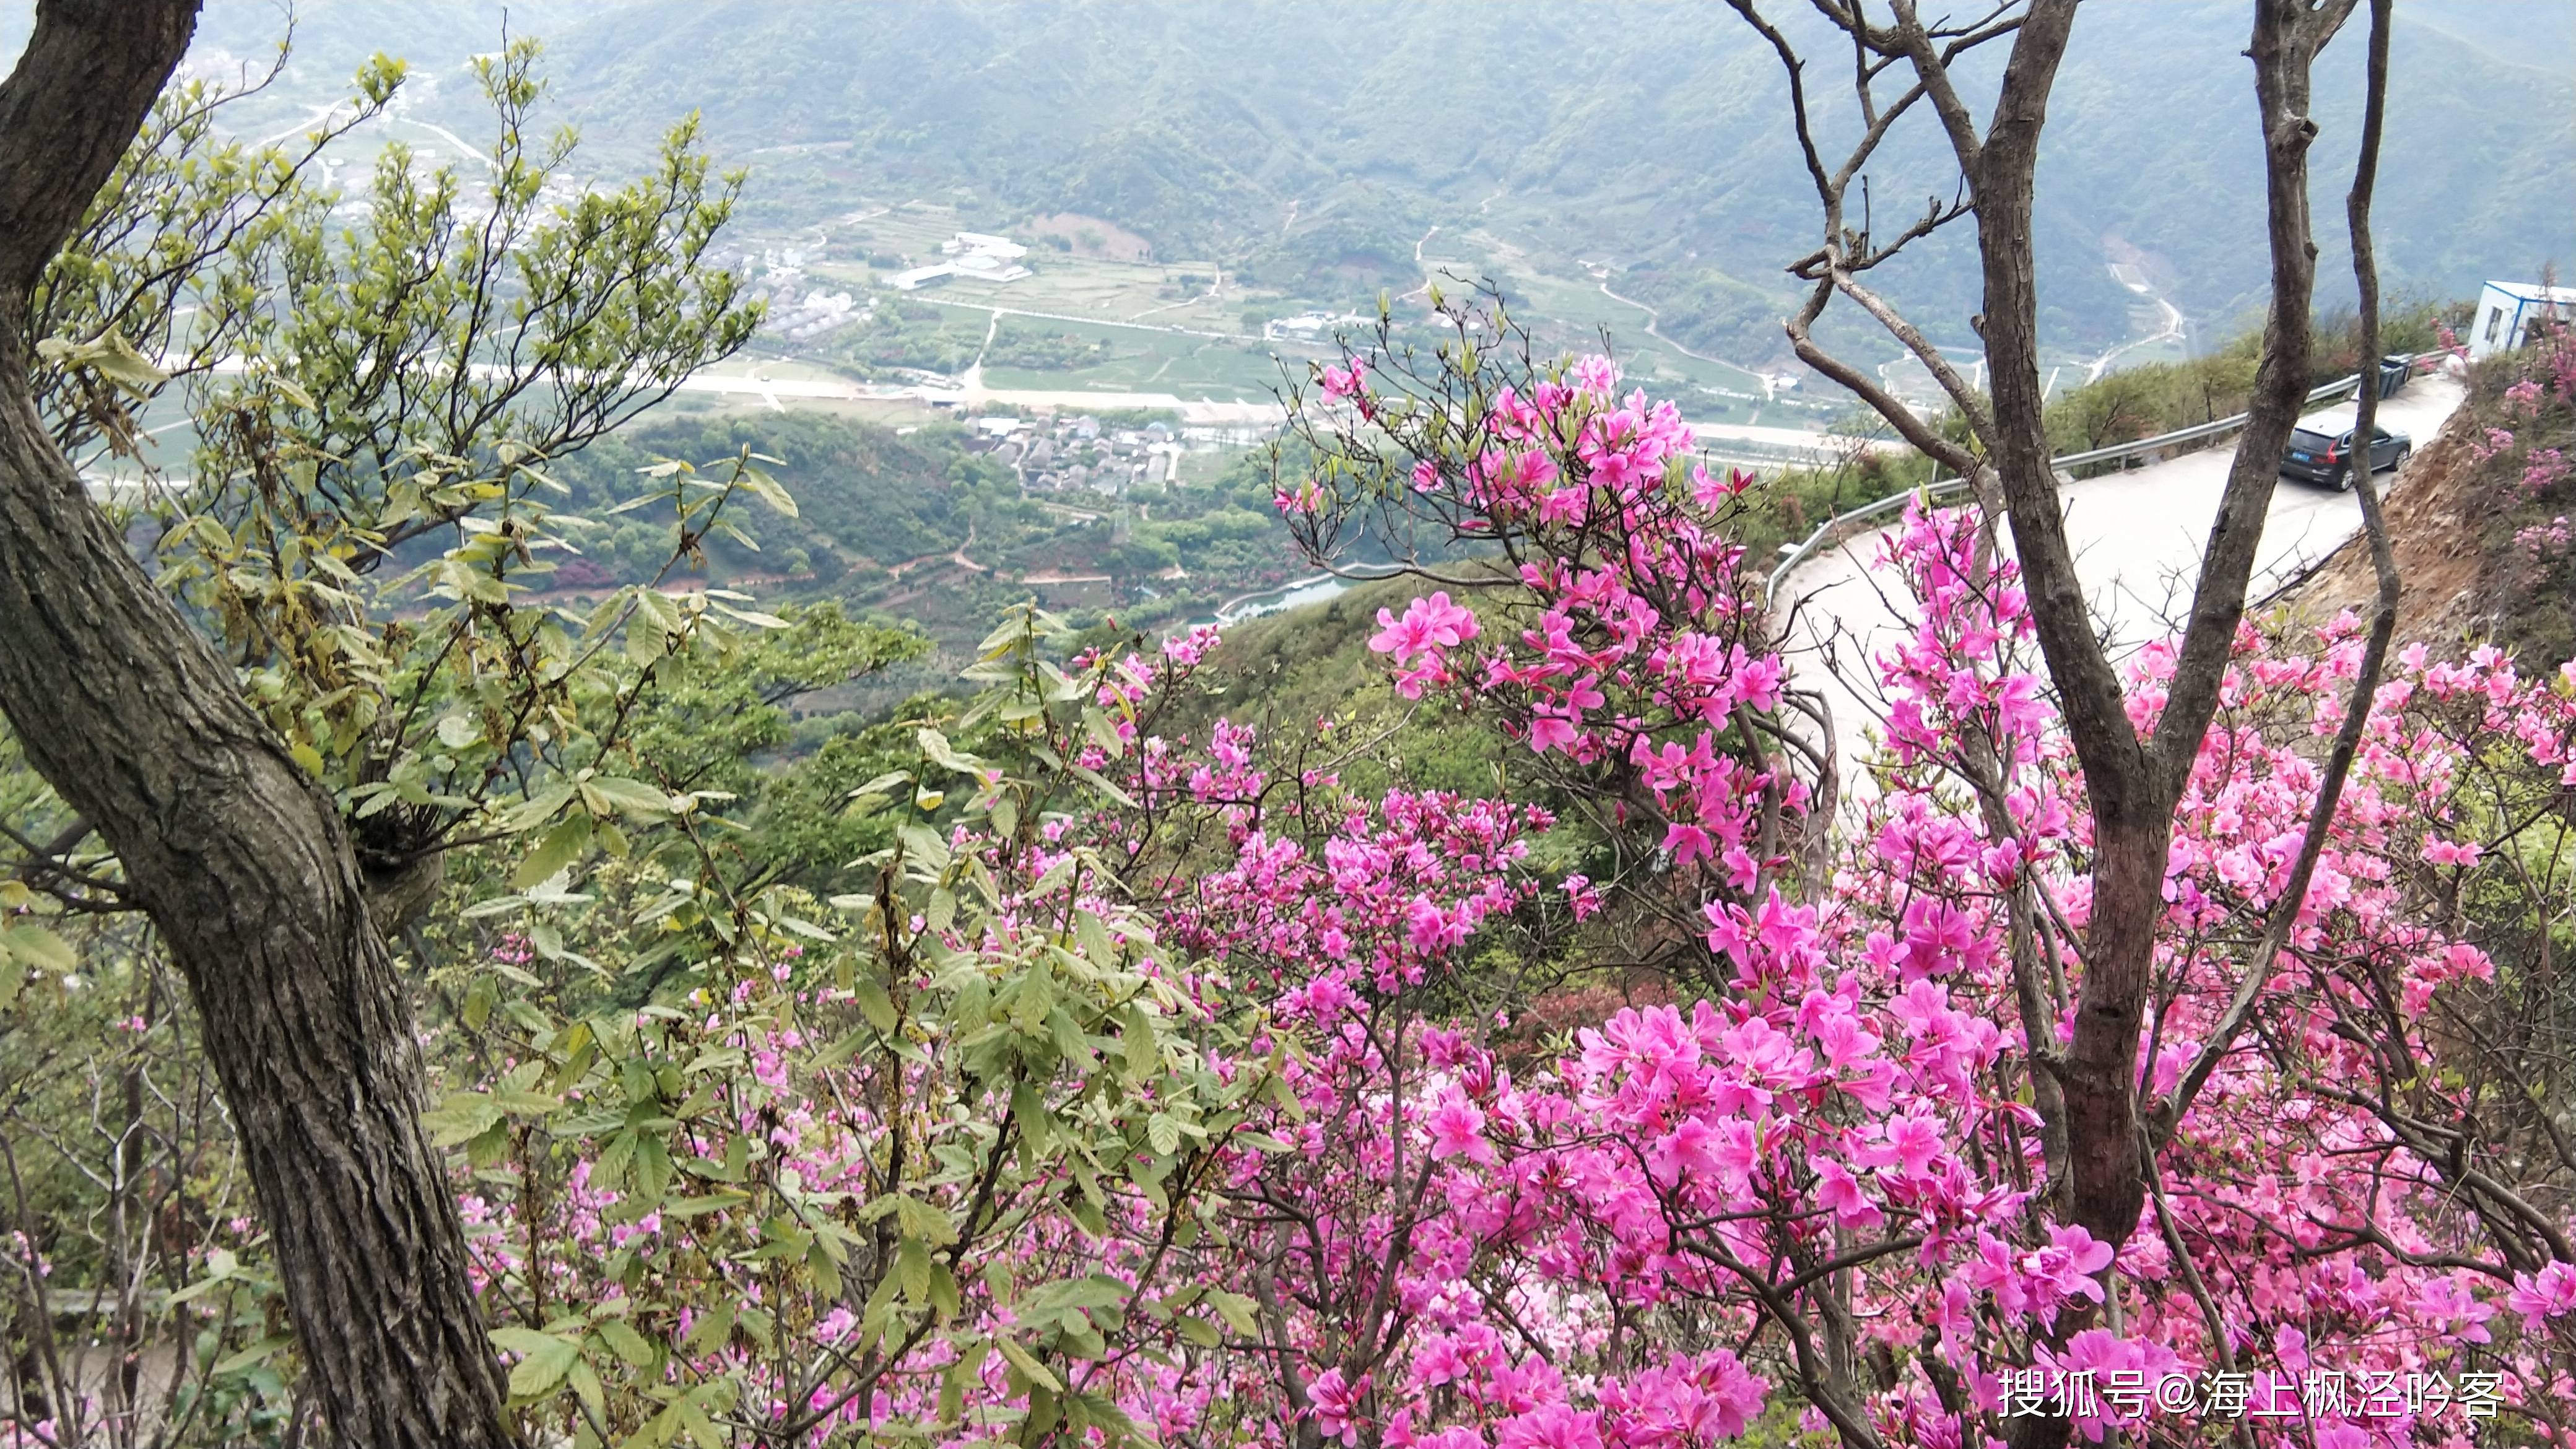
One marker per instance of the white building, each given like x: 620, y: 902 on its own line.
x: 975, y: 256
x: 976, y: 243
x: 2507, y: 310
x: 988, y: 267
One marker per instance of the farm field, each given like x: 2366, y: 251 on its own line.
x: 1069, y: 283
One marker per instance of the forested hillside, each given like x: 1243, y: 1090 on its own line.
x: 1311, y: 144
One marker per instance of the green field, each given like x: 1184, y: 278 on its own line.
x: 1136, y: 360
x: 1074, y: 285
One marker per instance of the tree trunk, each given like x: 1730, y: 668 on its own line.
x: 241, y: 860
x: 2132, y: 784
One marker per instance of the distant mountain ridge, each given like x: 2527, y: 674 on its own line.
x: 1653, y: 135
x: 1308, y: 143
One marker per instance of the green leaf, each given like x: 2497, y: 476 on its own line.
x: 632, y: 796
x: 912, y: 1269
x: 923, y: 844
x: 462, y: 1117
x: 519, y: 1103
x: 1235, y: 1309
x: 1137, y: 1043
x: 767, y: 490
x: 1093, y: 934
x: 623, y: 1341
x: 882, y: 783
x: 38, y: 947
x: 109, y: 355
x: 538, y: 809
x: 594, y: 1394
x: 702, y: 1430
x: 560, y: 848
x: 754, y: 617
x: 1101, y: 783
x: 1104, y: 733
x: 713, y: 1328
x: 257, y: 1353
x: 1030, y: 1369
x: 544, y: 1362
x: 874, y: 1003
x: 936, y: 746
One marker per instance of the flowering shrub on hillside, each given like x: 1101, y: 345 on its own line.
x: 1138, y: 1100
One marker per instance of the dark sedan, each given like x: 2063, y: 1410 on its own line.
x: 2321, y: 450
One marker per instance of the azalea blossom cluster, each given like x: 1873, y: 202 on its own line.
x: 1631, y: 645
x: 1815, y: 1188
x: 1856, y: 1112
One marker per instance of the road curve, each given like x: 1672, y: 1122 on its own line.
x: 2137, y: 536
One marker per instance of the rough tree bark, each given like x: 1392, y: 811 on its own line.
x: 2135, y: 783
x: 241, y: 860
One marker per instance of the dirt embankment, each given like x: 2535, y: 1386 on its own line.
x: 2435, y: 526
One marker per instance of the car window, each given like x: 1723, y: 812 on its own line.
x: 2310, y: 442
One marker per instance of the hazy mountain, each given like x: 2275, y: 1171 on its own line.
x: 1652, y: 135
x: 1308, y: 143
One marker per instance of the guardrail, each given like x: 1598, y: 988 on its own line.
x: 1798, y: 553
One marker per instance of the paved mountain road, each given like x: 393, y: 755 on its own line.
x: 2138, y: 538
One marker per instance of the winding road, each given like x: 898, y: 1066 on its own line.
x: 1652, y: 317
x: 2137, y: 536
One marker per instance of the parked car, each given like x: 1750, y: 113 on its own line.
x: 2321, y: 449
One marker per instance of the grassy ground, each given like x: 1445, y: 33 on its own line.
x: 1134, y: 360
x: 1069, y: 283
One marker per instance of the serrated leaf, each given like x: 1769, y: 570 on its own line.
x: 874, y: 1003
x: 251, y: 1356
x: 39, y: 947
x: 593, y: 1394
x: 545, y: 1361
x: 632, y: 796
x: 1093, y: 934
x: 1030, y: 1369
x: 1235, y: 1308
x: 713, y: 1327
x: 463, y: 1116
x: 559, y: 848
x: 912, y: 1269
x: 623, y: 1341
x: 538, y: 809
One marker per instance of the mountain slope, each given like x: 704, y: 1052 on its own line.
x: 1652, y: 136
x: 1309, y: 144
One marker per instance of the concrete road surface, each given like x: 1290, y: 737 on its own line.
x: 2138, y: 538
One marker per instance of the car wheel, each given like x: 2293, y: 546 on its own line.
x: 2342, y: 480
